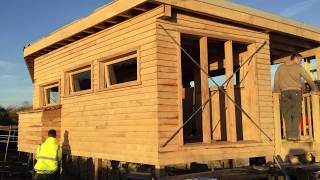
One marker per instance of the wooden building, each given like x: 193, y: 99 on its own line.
x: 116, y: 86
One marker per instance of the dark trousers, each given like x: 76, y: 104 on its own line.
x: 290, y: 104
x: 46, y: 176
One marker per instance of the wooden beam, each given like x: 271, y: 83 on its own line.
x: 89, y: 31
x: 97, y: 168
x: 231, y: 113
x: 277, y: 122
x: 113, y: 20
x: 289, y: 41
x: 248, y: 16
x: 206, y: 128
x: 127, y: 15
x: 283, y: 47
x: 276, y: 52
x: 181, y: 92
x: 142, y: 8
x: 101, y: 26
x: 63, y: 43
x: 318, y: 64
x: 167, y: 10
x: 305, y: 54
x: 316, y: 124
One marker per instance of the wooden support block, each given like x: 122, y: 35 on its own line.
x: 97, y: 167
x: 167, y: 10
x: 206, y: 128
x: 231, y: 114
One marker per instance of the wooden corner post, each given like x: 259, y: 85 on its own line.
x: 206, y: 128
x: 316, y: 124
x: 316, y: 114
x: 277, y: 123
x: 318, y: 64
x: 230, y: 107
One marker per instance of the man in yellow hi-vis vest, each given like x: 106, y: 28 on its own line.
x: 49, y: 155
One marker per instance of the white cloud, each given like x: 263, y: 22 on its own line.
x: 298, y: 8
x: 5, y: 77
x: 6, y: 65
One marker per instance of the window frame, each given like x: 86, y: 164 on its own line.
x: 105, y: 82
x: 43, y: 94
x: 69, y: 88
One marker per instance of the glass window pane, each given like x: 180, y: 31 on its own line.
x: 82, y: 81
x: 52, y: 95
x: 124, y: 71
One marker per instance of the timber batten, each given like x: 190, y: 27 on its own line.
x: 128, y: 115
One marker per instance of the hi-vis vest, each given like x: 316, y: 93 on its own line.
x: 48, y: 157
x: 308, y: 67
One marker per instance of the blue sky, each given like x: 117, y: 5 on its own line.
x: 24, y: 21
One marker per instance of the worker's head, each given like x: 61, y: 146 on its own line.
x: 52, y: 133
x: 296, y: 58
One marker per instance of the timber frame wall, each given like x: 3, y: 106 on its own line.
x: 257, y: 84
x: 130, y: 122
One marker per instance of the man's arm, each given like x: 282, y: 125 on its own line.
x: 276, y: 86
x: 307, y: 77
x: 60, y: 154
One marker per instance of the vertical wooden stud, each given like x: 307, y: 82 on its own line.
x: 277, y: 122
x: 206, y: 127
x: 97, y: 167
x: 181, y: 92
x: 316, y: 124
x: 231, y: 114
x: 318, y: 64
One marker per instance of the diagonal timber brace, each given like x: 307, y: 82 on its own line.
x: 220, y: 88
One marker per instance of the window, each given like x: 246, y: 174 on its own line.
x: 51, y: 94
x: 79, y: 80
x: 121, y: 70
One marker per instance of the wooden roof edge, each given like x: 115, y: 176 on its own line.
x: 116, y: 7
x: 99, y: 15
x: 262, y: 13
x: 246, y: 15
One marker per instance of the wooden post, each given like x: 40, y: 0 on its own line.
x: 181, y: 92
x: 316, y: 125
x: 316, y: 115
x: 318, y: 65
x: 206, y: 128
x: 277, y: 123
x: 231, y: 114
x: 97, y: 166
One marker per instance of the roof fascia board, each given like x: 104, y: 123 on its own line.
x: 98, y: 16
x: 249, y: 16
